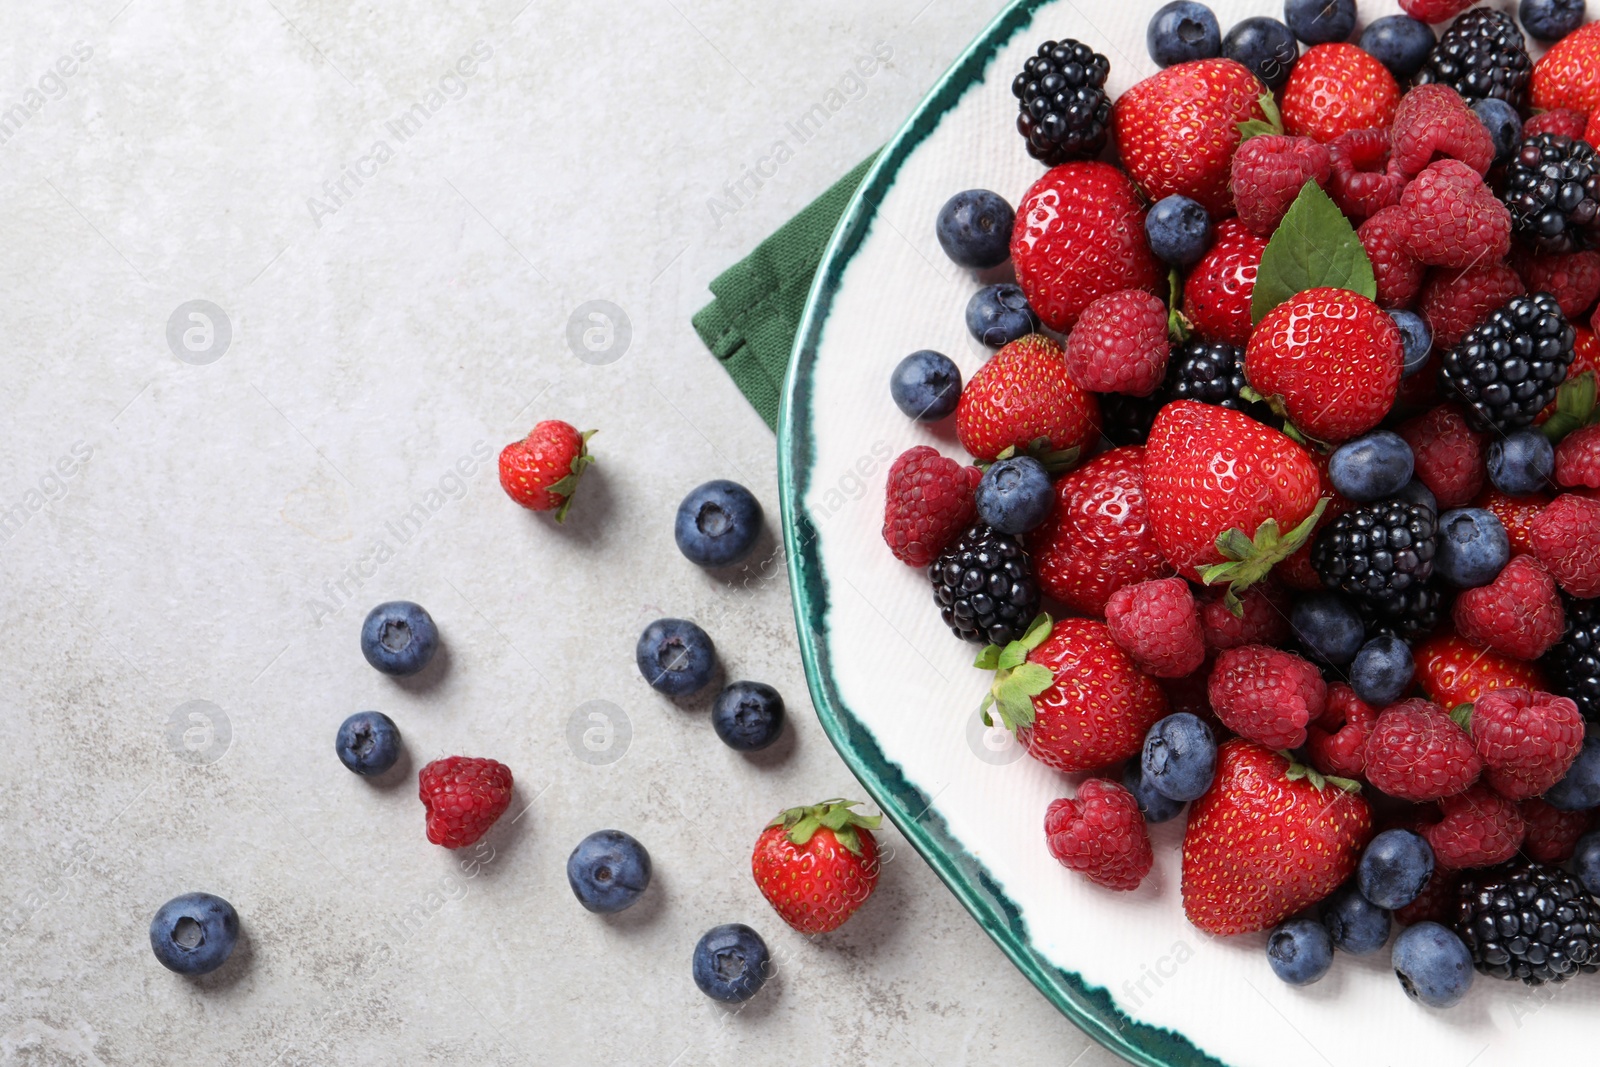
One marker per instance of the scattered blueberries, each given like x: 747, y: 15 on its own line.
x: 1382, y: 670
x: 1472, y: 547
x: 1156, y: 807
x: 1320, y: 21
x: 1416, y: 339
x: 1394, y: 868
x: 1414, y: 492
x: 974, y: 229
x: 1355, y: 924
x: 730, y: 962
x: 194, y: 933
x: 368, y: 743
x: 608, y: 870
x: 1300, y: 951
x: 1502, y: 122
x: 1265, y: 46
x: 1179, y: 230
x: 399, y: 637
x: 999, y: 314
x: 718, y: 523
x: 1586, y: 862
x: 1550, y: 20
x: 1521, y: 462
x: 748, y: 716
x: 1015, y: 495
x: 675, y: 656
x: 1329, y: 625
x: 1179, y: 757
x: 1400, y: 43
x: 1181, y: 31
x: 1433, y: 966
x: 1580, y: 789
x: 926, y: 385
x: 1371, y: 467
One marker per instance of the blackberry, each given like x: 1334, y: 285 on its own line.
x: 1064, y: 111
x: 1481, y: 55
x: 1529, y: 921
x: 1573, y: 665
x: 1378, y: 552
x: 1125, y: 420
x: 1508, y: 368
x: 1410, y: 616
x: 985, y: 588
x: 1553, y: 193
x: 1212, y: 373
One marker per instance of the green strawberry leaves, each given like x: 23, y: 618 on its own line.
x: 1461, y: 714
x: 1575, y: 407
x: 1273, y: 124
x: 1179, y: 328
x: 1319, y: 781
x: 1314, y: 247
x: 802, y: 824
x: 1250, y: 559
x: 1055, y: 461
x: 565, y: 487
x: 1016, y: 681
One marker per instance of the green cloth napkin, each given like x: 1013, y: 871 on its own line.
x: 751, y: 324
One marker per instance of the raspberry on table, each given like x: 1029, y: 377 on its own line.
x: 1417, y: 752
x: 1482, y: 54
x: 1101, y: 834
x: 929, y: 502
x: 1386, y: 236
x: 1433, y: 120
x: 1566, y: 538
x: 1479, y: 828
x: 1268, y: 172
x: 1578, y: 459
x: 1552, y: 834
x: 1266, y: 694
x: 1120, y: 344
x: 1509, y: 368
x: 1447, y: 453
x: 1528, y: 740
x: 1519, y: 613
x: 1362, y: 179
x: 1157, y: 624
x: 1454, y: 218
x: 1573, y: 278
x: 463, y: 796
x: 1563, y: 120
x: 1435, y: 10
x: 1456, y: 301
x: 1263, y: 617
x: 1337, y: 741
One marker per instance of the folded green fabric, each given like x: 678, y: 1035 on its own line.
x: 751, y: 323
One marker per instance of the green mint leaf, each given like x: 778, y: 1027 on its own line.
x: 1314, y: 246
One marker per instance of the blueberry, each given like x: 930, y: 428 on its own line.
x: 399, y: 637
x: 1550, y: 20
x: 1156, y: 807
x: 1433, y: 966
x: 608, y: 870
x: 717, y: 523
x: 748, y: 716
x: 999, y: 314
x: 1394, y: 868
x: 1382, y: 670
x: 1371, y: 467
x: 675, y: 656
x: 1300, y: 951
x: 1320, y: 21
x: 1586, y: 862
x: 1015, y: 495
x: 368, y: 742
x: 1265, y: 46
x: 1580, y: 789
x: 194, y: 933
x: 1329, y: 625
x: 1355, y: 924
x: 1179, y: 757
x: 1520, y: 462
x: 1414, y: 492
x: 730, y: 962
x: 974, y: 229
x: 1181, y: 31
x: 1502, y: 122
x: 1472, y: 547
x: 1400, y: 43
x: 1179, y: 230
x: 926, y: 385
x: 1416, y: 340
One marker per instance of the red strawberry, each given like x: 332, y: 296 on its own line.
x: 1268, y: 172
x: 1266, y: 694
x: 1591, y: 132
x: 1480, y: 828
x: 1099, y: 539
x: 1448, y: 455
x: 1337, y: 742
x: 1566, y: 538
x: 463, y: 796
x: 1100, y: 833
x: 817, y: 865
x: 1361, y: 180
x: 1585, y: 357
x: 1021, y: 395
x: 1519, y: 613
x: 1335, y: 88
x: 1267, y: 839
x: 1177, y: 130
x: 1552, y: 834
x: 1120, y: 344
x: 1216, y: 295
x: 1453, y: 671
x: 1417, y: 752
x: 929, y: 503
x: 1435, y: 10
x: 1516, y: 514
x: 1157, y: 623
x: 1527, y: 740
x: 1080, y: 235
x: 1569, y: 74
x: 541, y: 471
x: 1578, y: 459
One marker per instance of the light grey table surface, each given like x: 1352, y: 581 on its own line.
x: 195, y: 514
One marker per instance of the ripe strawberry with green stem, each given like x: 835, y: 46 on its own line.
x: 817, y: 865
x: 542, y: 470
x: 1024, y: 399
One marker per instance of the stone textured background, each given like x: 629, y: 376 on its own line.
x: 195, y: 514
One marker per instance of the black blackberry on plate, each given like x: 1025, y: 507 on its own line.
x: 1064, y: 111
x: 1125, y: 420
x: 1507, y: 369
x: 1410, y: 616
x: 985, y: 588
x: 1528, y: 921
x: 1482, y: 54
x: 1378, y: 552
x: 1212, y: 373
x: 1553, y: 193
x: 1573, y: 665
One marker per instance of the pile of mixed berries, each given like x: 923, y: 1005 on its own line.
x: 1284, y: 493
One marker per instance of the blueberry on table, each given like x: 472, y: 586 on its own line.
x: 1371, y: 467
x: 368, y: 742
x: 926, y: 385
x: 1320, y: 21
x: 1179, y: 757
x: 1015, y: 495
x: 974, y: 229
x: 1473, y: 547
x: 194, y: 933
x: 748, y: 716
x: 1416, y: 341
x: 1502, y: 122
x: 1520, y: 463
x: 1400, y: 43
x: 1382, y: 671
x: 1394, y: 868
x: 1265, y: 47
x: 1433, y: 966
x: 1179, y: 230
x: 1329, y: 626
x: 1155, y: 806
x: 1181, y: 31
x: 675, y: 656
x: 718, y: 523
x: 608, y: 871
x: 1550, y: 20
x: 1300, y: 951
x: 999, y: 314
x: 730, y: 963
x: 399, y: 637
x: 1355, y: 924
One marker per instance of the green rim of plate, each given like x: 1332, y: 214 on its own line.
x: 1090, y: 1007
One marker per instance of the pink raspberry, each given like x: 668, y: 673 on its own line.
x: 1416, y: 752
x: 1447, y: 453
x: 1268, y: 173
x: 1562, y: 120
x: 1578, y: 459
x: 1157, y: 624
x: 1362, y: 180
x: 1566, y: 538
x: 1266, y: 694
x: 1552, y: 833
x: 1101, y: 834
x: 1527, y: 740
x: 1264, y: 619
x: 1120, y: 344
x: 1433, y: 121
x: 929, y: 501
x: 1480, y: 828
x: 1519, y: 613
x: 1455, y: 219
x: 1456, y: 301
x: 1435, y: 10
x: 1386, y: 237
x: 1338, y: 740
x: 1572, y: 278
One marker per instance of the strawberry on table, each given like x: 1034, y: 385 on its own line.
x: 1453, y: 671
x: 1217, y: 293
x: 1021, y: 396
x: 1568, y: 76
x: 817, y: 865
x: 541, y: 471
x: 928, y: 503
x: 1101, y: 834
x: 1516, y: 514
x: 1335, y: 88
x: 463, y: 796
